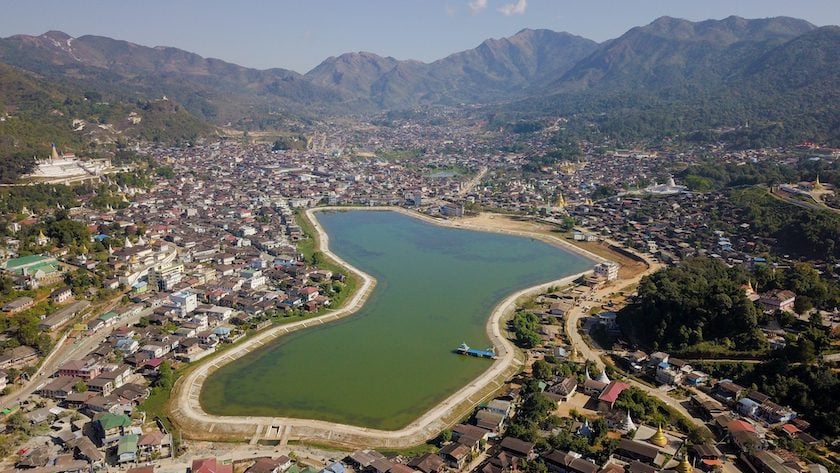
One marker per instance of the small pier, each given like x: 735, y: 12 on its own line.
x: 464, y: 349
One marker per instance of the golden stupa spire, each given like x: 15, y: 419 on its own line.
x: 684, y: 466
x: 817, y: 184
x: 659, y: 438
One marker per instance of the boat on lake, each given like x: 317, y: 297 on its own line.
x: 465, y: 349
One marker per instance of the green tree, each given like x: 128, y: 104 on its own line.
x: 80, y: 387
x: 542, y: 370
x: 166, y: 377
x: 445, y: 436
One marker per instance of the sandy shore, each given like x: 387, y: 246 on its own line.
x: 198, y: 424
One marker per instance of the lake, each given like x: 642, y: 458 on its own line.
x: 393, y: 360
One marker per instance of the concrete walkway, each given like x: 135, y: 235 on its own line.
x: 198, y: 424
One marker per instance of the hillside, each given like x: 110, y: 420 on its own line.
x: 670, y: 53
x: 497, y: 69
x: 35, y: 112
x: 211, y: 89
x: 749, y: 82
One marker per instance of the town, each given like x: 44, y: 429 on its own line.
x: 107, y: 301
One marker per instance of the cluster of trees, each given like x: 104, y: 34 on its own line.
x: 652, y: 411
x: 523, y: 127
x: 536, y: 415
x: 534, y: 164
x: 23, y: 329
x: 66, y: 230
x: 799, y: 231
x: 564, y: 149
x: 525, y: 326
x: 713, y: 175
x: 699, y: 301
x: 603, y: 192
x: 793, y: 376
x: 811, y: 289
x: 36, y: 198
x: 809, y: 389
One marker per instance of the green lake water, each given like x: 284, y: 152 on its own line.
x: 385, y: 365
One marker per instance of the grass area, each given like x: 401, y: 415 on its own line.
x: 157, y: 406
x: 409, y: 452
x: 457, y: 171
x: 398, y: 154
x: 309, y: 248
x: 321, y: 445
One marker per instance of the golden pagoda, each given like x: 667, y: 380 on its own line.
x: 659, y: 438
x: 684, y: 466
x: 561, y: 201
x: 42, y: 239
x: 817, y: 184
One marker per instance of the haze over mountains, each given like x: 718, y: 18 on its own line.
x: 668, y: 60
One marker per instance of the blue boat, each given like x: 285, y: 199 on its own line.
x: 465, y: 349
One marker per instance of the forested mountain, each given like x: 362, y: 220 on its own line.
x: 495, y: 70
x: 211, y: 89
x: 672, y: 54
x: 747, y: 82
x: 35, y: 112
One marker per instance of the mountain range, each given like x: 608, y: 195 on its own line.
x: 719, y: 72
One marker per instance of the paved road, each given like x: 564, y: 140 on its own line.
x: 589, y: 353
x: 470, y: 185
x: 785, y: 197
x: 68, y: 349
x: 578, y: 313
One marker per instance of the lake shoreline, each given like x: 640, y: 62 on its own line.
x: 202, y: 425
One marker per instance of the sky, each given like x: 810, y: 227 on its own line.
x: 299, y: 34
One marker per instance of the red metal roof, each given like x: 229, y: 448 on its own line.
x: 612, y: 391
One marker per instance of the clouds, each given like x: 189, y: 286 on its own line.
x: 509, y: 9
x: 517, y: 8
x: 477, y: 6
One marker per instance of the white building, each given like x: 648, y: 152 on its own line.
x: 185, y: 301
x: 608, y: 270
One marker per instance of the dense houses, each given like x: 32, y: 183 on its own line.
x: 213, y: 252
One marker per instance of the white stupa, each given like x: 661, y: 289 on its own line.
x: 127, y: 243
x: 669, y: 188
x: 603, y: 377
x: 629, y: 425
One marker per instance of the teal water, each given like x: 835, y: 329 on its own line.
x: 391, y: 361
